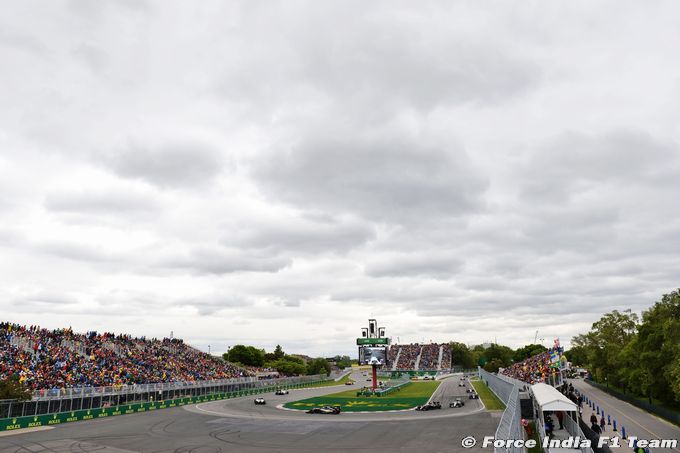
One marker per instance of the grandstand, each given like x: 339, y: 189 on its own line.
x: 545, y: 367
x: 61, y: 358
x: 416, y: 357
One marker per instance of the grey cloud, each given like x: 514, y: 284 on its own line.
x: 212, y: 304
x: 182, y: 164
x: 305, y: 235
x: 420, y: 65
x: 99, y: 202
x: 575, y: 163
x: 44, y: 297
x: 431, y: 264
x: 384, y: 180
x: 75, y: 251
x: 203, y: 260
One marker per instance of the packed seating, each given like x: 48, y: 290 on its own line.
x: 392, y: 355
x: 429, y: 357
x: 533, y: 370
x: 446, y: 357
x: 408, y: 356
x: 61, y: 358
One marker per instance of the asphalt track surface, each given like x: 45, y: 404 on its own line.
x: 637, y: 422
x: 237, y: 425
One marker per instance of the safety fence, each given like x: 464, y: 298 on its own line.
x: 21, y: 413
x: 507, y: 390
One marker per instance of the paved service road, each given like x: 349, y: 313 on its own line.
x: 638, y: 423
x: 188, y: 430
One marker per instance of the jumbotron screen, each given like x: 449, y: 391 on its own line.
x: 366, y: 353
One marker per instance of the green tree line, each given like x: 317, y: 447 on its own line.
x: 639, y: 356
x: 288, y: 365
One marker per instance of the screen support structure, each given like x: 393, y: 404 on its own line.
x: 373, y: 336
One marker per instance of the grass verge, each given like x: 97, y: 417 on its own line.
x: 408, y: 397
x: 489, y: 398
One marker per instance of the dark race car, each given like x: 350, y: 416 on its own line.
x: 260, y: 400
x: 457, y: 403
x: 429, y: 406
x: 281, y: 392
x: 335, y: 410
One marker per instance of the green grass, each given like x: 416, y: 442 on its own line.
x: 488, y: 397
x: 409, y: 396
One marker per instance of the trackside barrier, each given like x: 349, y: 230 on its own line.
x: 510, y: 426
x: 9, y: 424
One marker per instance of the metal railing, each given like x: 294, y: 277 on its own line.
x: 507, y: 389
x: 68, y: 400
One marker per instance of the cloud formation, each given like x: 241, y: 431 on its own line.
x: 281, y: 172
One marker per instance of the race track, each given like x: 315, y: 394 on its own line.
x: 238, y: 425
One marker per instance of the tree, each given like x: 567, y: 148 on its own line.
x: 342, y: 361
x: 527, y: 351
x: 578, y: 355
x: 278, y: 352
x: 246, y: 355
x: 461, y: 355
x: 641, y: 357
x: 288, y: 368
x: 12, y: 389
x: 318, y: 366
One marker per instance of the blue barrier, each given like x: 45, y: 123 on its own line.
x: 623, y: 432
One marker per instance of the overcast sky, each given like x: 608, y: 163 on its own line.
x: 278, y: 172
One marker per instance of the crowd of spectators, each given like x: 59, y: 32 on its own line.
x: 429, y: 357
x: 533, y: 370
x: 392, y: 355
x: 408, y: 356
x: 446, y: 357
x: 61, y: 358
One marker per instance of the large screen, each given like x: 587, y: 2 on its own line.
x: 367, y: 353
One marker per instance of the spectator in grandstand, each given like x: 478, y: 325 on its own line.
x: 44, y: 359
x: 532, y: 370
x: 429, y: 357
x: 408, y: 356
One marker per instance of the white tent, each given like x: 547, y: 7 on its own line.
x: 548, y: 398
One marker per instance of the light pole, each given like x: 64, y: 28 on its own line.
x: 208, y: 349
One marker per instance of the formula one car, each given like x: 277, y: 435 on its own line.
x: 470, y: 390
x: 473, y: 396
x: 461, y: 384
x: 281, y: 392
x: 335, y: 410
x: 429, y: 406
x: 260, y: 400
x: 349, y: 383
x: 457, y: 403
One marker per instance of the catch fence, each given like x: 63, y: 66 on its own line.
x: 89, y: 398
